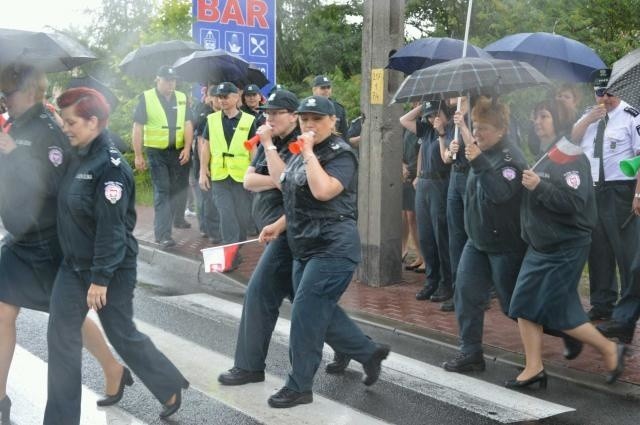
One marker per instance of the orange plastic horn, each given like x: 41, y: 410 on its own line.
x: 252, y: 142
x: 295, y: 147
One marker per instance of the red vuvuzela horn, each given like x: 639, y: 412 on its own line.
x: 295, y: 147
x: 249, y: 144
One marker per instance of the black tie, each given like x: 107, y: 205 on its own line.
x: 598, y: 146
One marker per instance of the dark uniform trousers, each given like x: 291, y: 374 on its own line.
x: 170, y: 184
x: 455, y: 219
x: 433, y: 235
x: 477, y: 272
x: 611, y: 245
x: 68, y: 311
x: 234, y: 207
x: 208, y: 217
x: 270, y: 283
x: 316, y: 317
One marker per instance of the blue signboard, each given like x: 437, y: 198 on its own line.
x: 246, y: 28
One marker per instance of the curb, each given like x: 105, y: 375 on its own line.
x: 179, y: 268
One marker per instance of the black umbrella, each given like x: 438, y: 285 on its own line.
x: 145, y: 60
x: 625, y: 78
x: 211, y: 65
x: 468, y: 76
x: 49, y: 51
x: 253, y: 76
x: 94, y: 83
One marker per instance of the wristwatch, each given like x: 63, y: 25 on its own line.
x: 272, y: 148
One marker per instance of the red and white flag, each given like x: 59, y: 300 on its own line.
x: 563, y: 152
x: 219, y: 259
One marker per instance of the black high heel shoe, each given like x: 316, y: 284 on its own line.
x: 540, y: 378
x: 110, y: 400
x: 169, y: 410
x: 623, y: 351
x: 5, y: 410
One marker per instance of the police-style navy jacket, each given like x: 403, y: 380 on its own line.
x: 561, y: 211
x: 96, y: 206
x: 268, y: 205
x: 30, y: 176
x: 492, y: 199
x: 322, y: 228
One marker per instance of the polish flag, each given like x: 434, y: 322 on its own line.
x: 219, y: 259
x: 563, y: 152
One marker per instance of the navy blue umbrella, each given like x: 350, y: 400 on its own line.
x: 556, y: 56
x: 431, y: 51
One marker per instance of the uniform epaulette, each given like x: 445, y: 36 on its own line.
x: 114, y: 157
x: 631, y: 110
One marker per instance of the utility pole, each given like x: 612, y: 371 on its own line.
x: 380, y: 172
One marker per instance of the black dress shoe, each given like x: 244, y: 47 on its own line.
x: 110, y: 400
x: 288, y: 398
x: 168, y: 410
x: 540, y: 378
x: 623, y: 351
x: 462, y: 362
x: 448, y: 306
x: 426, y: 292
x: 598, y: 314
x: 167, y: 243
x: 442, y: 294
x: 373, y: 366
x: 5, y: 410
x: 182, y: 225
x: 614, y: 329
x: 572, y: 347
x: 339, y: 363
x: 237, y: 376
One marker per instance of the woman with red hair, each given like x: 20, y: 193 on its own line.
x: 96, y: 205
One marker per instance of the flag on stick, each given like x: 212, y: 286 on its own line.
x: 220, y: 259
x: 563, y: 152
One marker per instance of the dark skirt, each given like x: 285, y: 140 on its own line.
x: 408, y: 197
x: 27, y: 272
x: 547, y: 288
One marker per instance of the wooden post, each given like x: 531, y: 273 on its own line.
x: 380, y: 175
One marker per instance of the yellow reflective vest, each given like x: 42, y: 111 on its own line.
x: 156, y: 130
x: 233, y: 159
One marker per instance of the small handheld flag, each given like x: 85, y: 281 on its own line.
x: 220, y: 259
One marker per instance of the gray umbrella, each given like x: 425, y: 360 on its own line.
x: 468, y: 76
x: 625, y: 78
x: 49, y: 51
x: 144, y: 61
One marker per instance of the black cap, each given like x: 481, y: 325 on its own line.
x: 276, y: 88
x: 317, y: 105
x: 432, y: 108
x: 252, y: 89
x: 600, y: 77
x: 281, y: 99
x: 226, y: 88
x: 167, y: 72
x: 321, y: 80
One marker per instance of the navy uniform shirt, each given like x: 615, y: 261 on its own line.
x: 323, y: 228
x: 31, y: 175
x: 561, y: 211
x: 229, y: 126
x: 432, y: 165
x: 492, y: 199
x: 96, y: 205
x: 170, y: 107
x: 268, y: 205
x: 260, y: 117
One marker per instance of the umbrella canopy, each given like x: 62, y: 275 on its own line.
x: 255, y: 76
x: 49, y: 51
x: 145, y: 60
x: 94, y: 83
x: 468, y: 76
x: 211, y: 65
x: 556, y: 56
x: 625, y: 78
x: 431, y: 51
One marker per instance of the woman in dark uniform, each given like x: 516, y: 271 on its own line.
x: 270, y: 282
x: 557, y: 216
x: 319, y: 190
x: 96, y: 206
x: 33, y: 159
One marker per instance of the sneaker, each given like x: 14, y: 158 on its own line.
x: 373, y: 366
x: 286, y: 397
x: 465, y: 363
x: 237, y: 376
x: 339, y: 363
x: 443, y: 293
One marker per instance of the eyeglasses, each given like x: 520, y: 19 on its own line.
x: 601, y: 92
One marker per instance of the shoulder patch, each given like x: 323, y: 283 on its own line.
x: 55, y: 156
x: 631, y: 110
x: 113, y: 191
x: 509, y: 173
x: 572, y: 179
x: 114, y: 157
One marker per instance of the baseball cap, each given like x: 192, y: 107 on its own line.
x: 321, y: 80
x: 226, y: 88
x: 600, y: 77
x: 432, y: 108
x: 167, y: 72
x: 252, y: 89
x: 317, y: 105
x: 281, y: 99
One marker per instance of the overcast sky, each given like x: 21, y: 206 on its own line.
x: 35, y: 15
